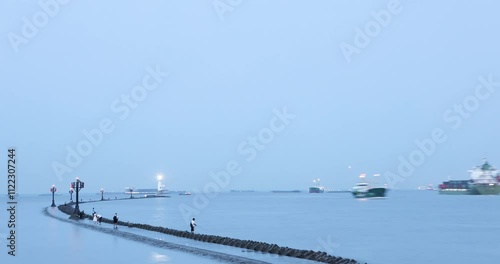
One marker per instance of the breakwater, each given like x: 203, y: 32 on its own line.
x: 240, y: 243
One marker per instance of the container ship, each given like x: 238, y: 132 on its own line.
x: 484, y: 180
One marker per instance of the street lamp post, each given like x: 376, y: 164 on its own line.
x: 77, y: 185
x: 53, y: 190
x: 71, y: 191
x: 102, y: 194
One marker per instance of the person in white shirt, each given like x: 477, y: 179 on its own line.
x: 192, y: 224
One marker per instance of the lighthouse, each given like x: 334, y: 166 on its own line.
x: 161, y: 187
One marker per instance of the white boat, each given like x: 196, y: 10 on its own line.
x: 317, y: 188
x: 364, y: 190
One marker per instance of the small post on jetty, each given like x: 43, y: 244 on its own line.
x: 102, y: 194
x: 131, y: 190
x: 71, y: 191
x: 78, y: 185
x: 53, y: 189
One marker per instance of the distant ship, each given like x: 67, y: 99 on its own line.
x: 316, y: 188
x: 159, y: 191
x: 338, y: 191
x: 364, y: 190
x: 485, y: 180
x: 285, y: 191
x: 428, y: 188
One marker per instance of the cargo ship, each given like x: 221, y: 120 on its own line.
x: 484, y: 180
x: 455, y: 187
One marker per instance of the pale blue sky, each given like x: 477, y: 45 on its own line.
x: 226, y: 77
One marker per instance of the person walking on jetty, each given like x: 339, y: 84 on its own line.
x: 95, y: 218
x: 192, y: 224
x: 115, y: 221
x: 99, y: 218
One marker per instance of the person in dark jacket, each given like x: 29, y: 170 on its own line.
x: 115, y: 221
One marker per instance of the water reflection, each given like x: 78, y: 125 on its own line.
x: 75, y: 238
x: 159, y: 258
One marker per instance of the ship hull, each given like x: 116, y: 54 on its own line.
x: 485, y: 180
x: 472, y: 189
x: 316, y: 190
x: 370, y: 193
x: 454, y: 191
x: 485, y: 189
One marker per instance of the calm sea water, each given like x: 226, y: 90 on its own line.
x: 405, y: 227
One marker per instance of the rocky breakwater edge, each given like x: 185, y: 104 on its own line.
x: 257, y: 246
